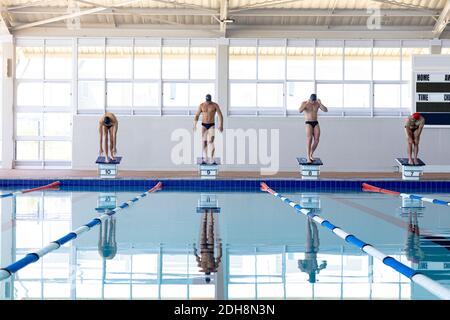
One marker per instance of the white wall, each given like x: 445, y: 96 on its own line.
x: 347, y: 144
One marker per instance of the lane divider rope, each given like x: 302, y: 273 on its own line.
x: 53, y: 185
x: 369, y: 188
x: 422, y: 280
x: 54, y: 245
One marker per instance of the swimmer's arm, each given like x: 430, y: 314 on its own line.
x: 302, y: 107
x: 322, y: 107
x: 219, y: 113
x: 197, y: 116
x: 419, y: 129
x: 100, y: 134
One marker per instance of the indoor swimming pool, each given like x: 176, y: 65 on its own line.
x: 221, y: 245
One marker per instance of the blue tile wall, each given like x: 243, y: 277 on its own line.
x: 229, y: 185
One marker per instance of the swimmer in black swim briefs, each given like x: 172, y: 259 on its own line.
x: 310, y: 108
x: 312, y: 123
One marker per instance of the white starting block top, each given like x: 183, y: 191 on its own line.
x: 310, y: 170
x: 208, y: 170
x: 108, y: 170
x: 410, y: 172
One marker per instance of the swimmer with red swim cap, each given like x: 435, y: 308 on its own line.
x: 413, y: 128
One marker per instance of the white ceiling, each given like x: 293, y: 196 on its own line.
x: 257, y: 18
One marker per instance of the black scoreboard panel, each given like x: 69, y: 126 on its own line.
x: 432, y: 97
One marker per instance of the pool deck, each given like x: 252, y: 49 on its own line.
x: 60, y: 174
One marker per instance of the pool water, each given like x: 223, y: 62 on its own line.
x: 189, y: 245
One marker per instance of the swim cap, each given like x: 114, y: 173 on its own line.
x: 416, y: 115
x: 208, y: 98
x: 107, y: 121
x: 313, y: 97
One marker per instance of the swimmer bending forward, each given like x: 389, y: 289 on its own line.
x: 107, y: 130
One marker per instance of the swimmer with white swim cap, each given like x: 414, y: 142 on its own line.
x: 107, y: 128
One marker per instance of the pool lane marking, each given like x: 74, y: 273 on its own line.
x: 35, y: 256
x: 369, y: 188
x: 432, y: 286
x: 54, y: 185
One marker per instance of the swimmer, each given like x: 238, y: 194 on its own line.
x: 208, y: 109
x: 413, y: 129
x: 107, y: 128
x: 310, y: 108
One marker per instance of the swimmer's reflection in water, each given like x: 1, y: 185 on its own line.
x: 413, y: 251
x: 310, y: 265
x: 208, y: 261
x: 107, y: 245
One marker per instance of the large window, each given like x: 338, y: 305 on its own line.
x: 128, y: 76
x: 43, y: 110
x: 351, y: 77
x: 144, y: 76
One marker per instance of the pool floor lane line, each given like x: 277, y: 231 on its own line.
x: 54, y: 245
x: 432, y: 286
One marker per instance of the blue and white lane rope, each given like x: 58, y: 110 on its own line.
x: 35, y: 256
x: 53, y: 185
x: 422, y: 280
x: 368, y: 187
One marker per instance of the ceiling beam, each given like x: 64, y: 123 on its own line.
x: 262, y: 5
x: 247, y: 13
x: 208, y: 31
x: 4, y: 24
x: 442, y: 21
x: 402, y: 4
x: 186, y: 5
x: 70, y: 16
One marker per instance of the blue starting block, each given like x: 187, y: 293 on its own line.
x: 310, y: 170
x: 208, y: 170
x: 106, y: 202
x: 410, y: 172
x: 208, y: 201
x: 108, y: 170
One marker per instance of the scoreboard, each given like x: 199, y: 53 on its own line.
x: 432, y: 96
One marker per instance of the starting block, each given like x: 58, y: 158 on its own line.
x: 207, y: 170
x: 310, y: 171
x: 108, y: 170
x: 410, y: 172
x: 208, y: 201
x: 106, y: 202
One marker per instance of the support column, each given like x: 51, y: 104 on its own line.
x: 6, y: 243
x: 222, y: 95
x: 222, y: 76
x: 435, y: 46
x: 7, y: 102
